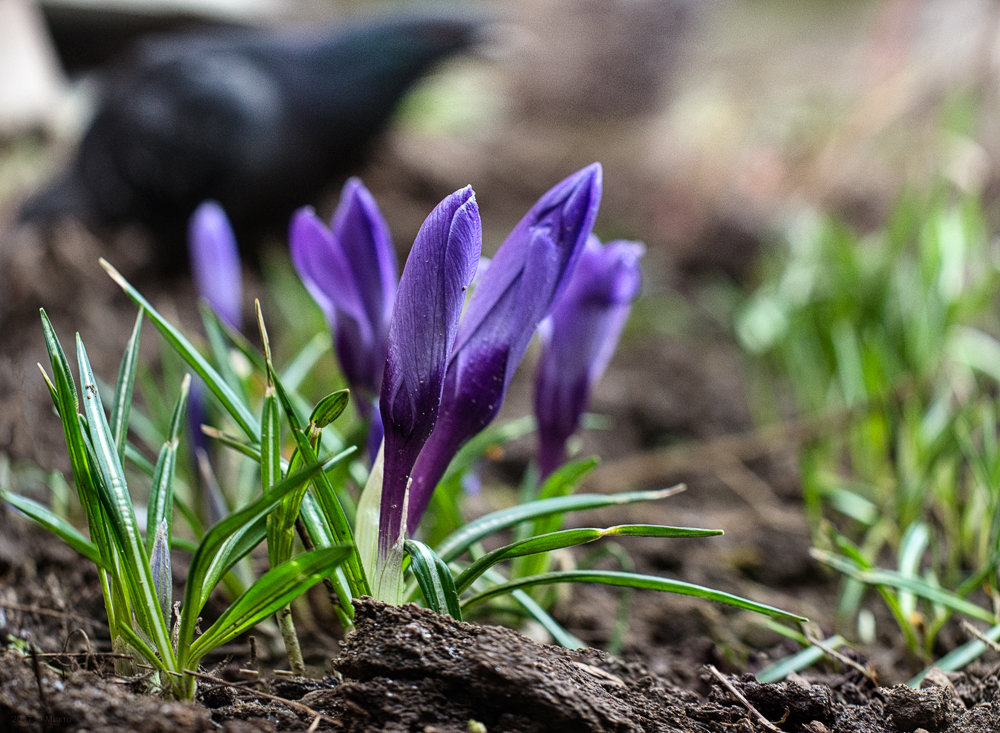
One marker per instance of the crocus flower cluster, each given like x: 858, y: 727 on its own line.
x: 445, y: 375
x: 428, y: 376
x: 462, y: 371
x: 578, y: 339
x: 524, y: 278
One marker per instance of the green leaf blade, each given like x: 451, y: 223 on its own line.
x: 118, y: 505
x: 270, y: 474
x: 161, y: 497
x: 918, y: 587
x: 460, y: 541
x: 571, y: 538
x: 215, y: 382
x: 336, y: 519
x: 632, y: 580
x: 67, y: 403
x: 117, y: 500
x: 124, y: 388
x: 434, y: 578
x: 47, y: 519
x: 225, y: 543
x: 274, y: 590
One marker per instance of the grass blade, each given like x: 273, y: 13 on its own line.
x: 318, y: 535
x: 217, y: 333
x: 67, y: 403
x: 281, y: 521
x: 570, y: 538
x: 233, y: 337
x: 798, y: 661
x: 118, y: 505
x: 215, y: 382
x: 270, y: 474
x: 961, y: 656
x: 49, y: 520
x: 911, y: 550
x: 563, y: 482
x: 631, y: 580
x: 161, y: 497
x: 225, y: 543
x: 565, y: 478
x: 880, y: 577
x: 854, y: 555
x: 122, y: 406
x: 250, y: 450
x: 117, y: 500
x: 460, y: 541
x: 336, y: 519
x: 66, y: 400
x: 275, y: 589
x: 141, y: 647
x: 434, y: 578
x: 303, y: 362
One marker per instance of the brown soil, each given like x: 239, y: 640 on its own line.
x: 409, y: 669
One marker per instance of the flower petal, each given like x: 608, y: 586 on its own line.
x: 517, y: 291
x: 552, y: 235
x: 422, y: 332
x: 579, y: 338
x: 363, y: 234
x: 350, y: 270
x: 215, y: 262
x: 321, y: 266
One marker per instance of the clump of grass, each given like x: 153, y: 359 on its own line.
x: 892, y: 332
x: 134, y: 566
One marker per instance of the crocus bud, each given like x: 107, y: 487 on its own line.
x: 215, y: 262
x: 578, y: 339
x: 422, y: 332
x: 218, y: 278
x: 159, y: 561
x: 524, y: 278
x: 350, y: 271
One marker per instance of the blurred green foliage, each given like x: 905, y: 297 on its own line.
x: 892, y: 335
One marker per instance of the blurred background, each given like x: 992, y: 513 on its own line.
x: 718, y: 123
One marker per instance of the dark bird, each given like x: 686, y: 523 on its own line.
x: 256, y: 120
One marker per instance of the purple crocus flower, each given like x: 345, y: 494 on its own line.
x: 578, y: 339
x: 215, y: 262
x: 524, y: 279
x: 350, y: 271
x: 422, y: 333
x: 217, y: 272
